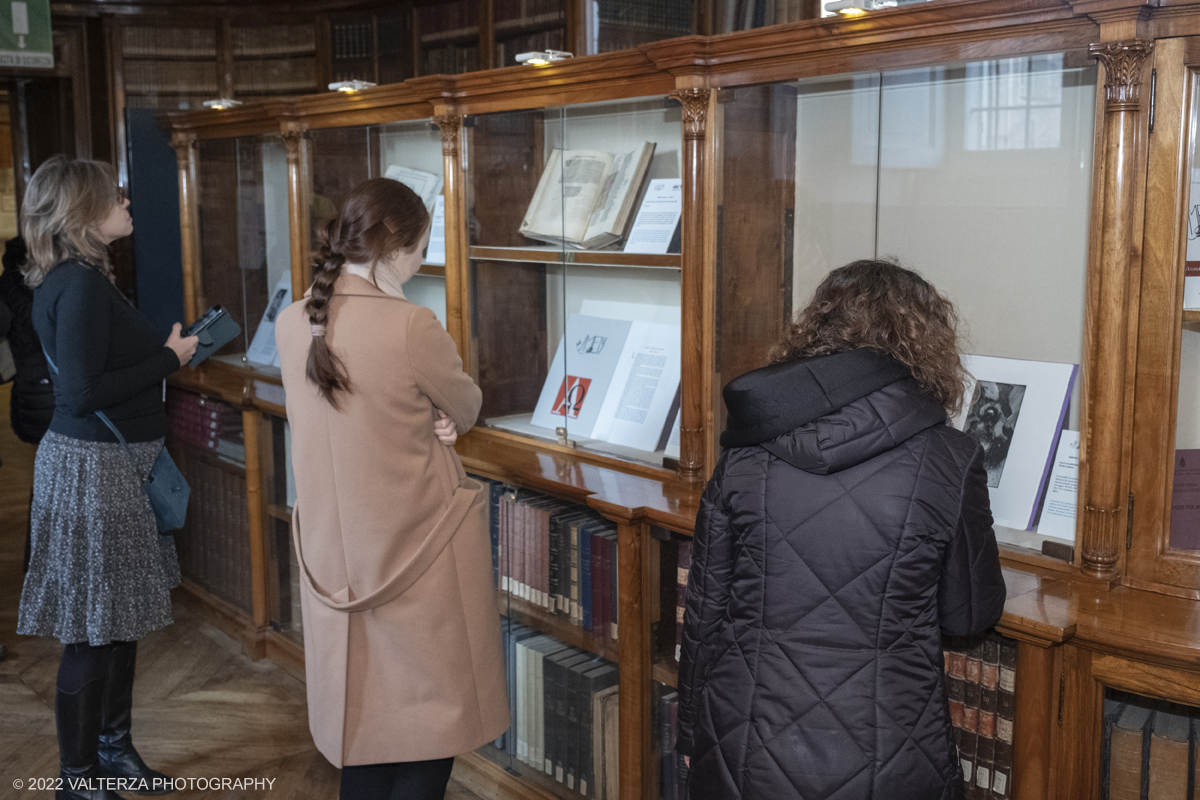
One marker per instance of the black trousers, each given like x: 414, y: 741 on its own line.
x: 403, y: 780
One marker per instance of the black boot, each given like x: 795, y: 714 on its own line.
x: 78, y: 718
x: 118, y: 759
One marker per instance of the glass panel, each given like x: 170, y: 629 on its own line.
x: 523, y: 26
x: 206, y: 440
x: 556, y: 570
x: 245, y: 261
x: 937, y: 168
x: 1146, y: 743
x: 1185, y: 507
x: 559, y: 246
x: 343, y: 158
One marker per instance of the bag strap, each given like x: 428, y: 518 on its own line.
x: 108, y: 423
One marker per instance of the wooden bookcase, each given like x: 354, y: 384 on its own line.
x: 791, y: 148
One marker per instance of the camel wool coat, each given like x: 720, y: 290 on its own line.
x: 401, y: 629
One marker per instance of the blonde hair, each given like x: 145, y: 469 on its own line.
x: 65, y: 203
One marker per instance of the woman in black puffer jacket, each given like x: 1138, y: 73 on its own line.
x: 845, y: 527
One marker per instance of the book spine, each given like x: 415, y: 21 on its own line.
x: 549, y: 723
x: 572, y: 754
x: 495, y: 489
x: 539, y: 709
x: 553, y: 545
x: 576, y: 615
x: 543, y: 519
x: 522, y: 723
x: 616, y: 595
x: 505, y: 511
x: 585, y: 576
x: 1006, y: 685
x: 598, y: 621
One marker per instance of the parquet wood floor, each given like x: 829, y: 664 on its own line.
x: 201, y: 708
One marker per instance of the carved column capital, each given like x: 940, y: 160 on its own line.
x: 1122, y: 71
x: 451, y: 126
x: 695, y: 110
x: 183, y: 144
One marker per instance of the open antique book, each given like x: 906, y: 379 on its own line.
x: 585, y: 197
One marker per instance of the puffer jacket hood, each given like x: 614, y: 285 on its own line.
x: 846, y: 527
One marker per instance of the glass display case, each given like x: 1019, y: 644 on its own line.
x: 935, y: 168
x: 245, y: 250
x: 342, y: 158
x: 574, y: 274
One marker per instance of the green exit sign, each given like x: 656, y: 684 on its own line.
x: 25, y: 39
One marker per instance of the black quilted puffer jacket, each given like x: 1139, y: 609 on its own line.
x: 846, y: 523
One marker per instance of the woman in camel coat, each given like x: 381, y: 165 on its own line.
x: 401, y: 630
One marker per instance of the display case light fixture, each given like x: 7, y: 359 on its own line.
x: 856, y: 8
x: 350, y: 87
x: 222, y: 103
x: 541, y: 58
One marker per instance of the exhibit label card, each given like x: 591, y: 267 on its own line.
x: 262, y: 347
x: 580, y: 374
x: 658, y: 217
x: 436, y: 254
x: 1185, y: 501
x: 1058, y: 514
x: 1016, y: 418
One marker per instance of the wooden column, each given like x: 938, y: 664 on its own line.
x: 1103, y: 527
x: 189, y: 223
x: 256, y: 515
x: 298, y: 216
x: 693, y: 406
x: 454, y: 191
x: 636, y: 721
x: 1035, y: 721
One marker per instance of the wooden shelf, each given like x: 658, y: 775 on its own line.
x: 1191, y: 315
x: 532, y: 783
x: 280, y: 512
x: 433, y: 270
x: 666, y: 673
x: 558, y: 627
x: 481, y: 772
x: 593, y: 258
x: 277, y: 56
x: 445, y: 38
x: 511, y: 29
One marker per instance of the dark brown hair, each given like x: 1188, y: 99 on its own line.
x: 379, y: 217
x: 882, y: 305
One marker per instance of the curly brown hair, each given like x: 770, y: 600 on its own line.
x: 880, y: 304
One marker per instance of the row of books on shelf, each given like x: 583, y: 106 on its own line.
x: 740, y: 15
x: 510, y: 14
x: 214, y: 544
x: 206, y: 424
x: 565, y: 712
x: 448, y: 20
x: 507, y: 50
x: 171, y: 77
x: 672, y: 769
x: 1149, y: 750
x: 981, y: 685
x: 352, y: 40
x: 662, y: 15
x: 683, y: 567
x: 557, y: 556
x: 450, y: 60
x: 145, y: 41
x: 274, y: 40
x: 275, y: 75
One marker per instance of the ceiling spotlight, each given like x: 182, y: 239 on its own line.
x: 856, y: 8
x: 541, y: 58
x: 222, y: 103
x: 350, y: 87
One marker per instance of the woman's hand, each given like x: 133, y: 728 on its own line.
x: 184, y: 346
x: 444, y: 428
x: 687, y: 761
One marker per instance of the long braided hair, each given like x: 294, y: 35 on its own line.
x: 379, y: 217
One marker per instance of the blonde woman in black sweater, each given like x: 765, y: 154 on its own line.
x: 99, y: 574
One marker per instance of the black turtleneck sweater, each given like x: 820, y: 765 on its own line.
x: 109, y: 357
